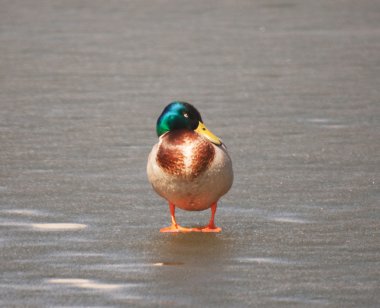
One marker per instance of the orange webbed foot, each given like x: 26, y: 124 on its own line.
x: 175, y: 229
x: 210, y: 229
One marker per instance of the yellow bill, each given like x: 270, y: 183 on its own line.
x: 203, y: 130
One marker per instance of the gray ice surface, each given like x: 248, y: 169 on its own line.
x: 293, y: 89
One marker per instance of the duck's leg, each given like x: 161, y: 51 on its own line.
x: 174, y: 227
x: 211, y: 225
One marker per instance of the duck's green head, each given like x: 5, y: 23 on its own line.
x: 182, y: 115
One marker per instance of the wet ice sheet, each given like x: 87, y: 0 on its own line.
x: 292, y: 88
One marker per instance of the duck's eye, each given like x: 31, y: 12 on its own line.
x: 186, y: 115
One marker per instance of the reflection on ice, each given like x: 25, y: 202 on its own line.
x: 325, y: 122
x: 301, y: 300
x: 293, y: 220
x: 58, y: 226
x: 263, y: 260
x: 84, y: 283
x: 23, y: 212
x: 168, y: 263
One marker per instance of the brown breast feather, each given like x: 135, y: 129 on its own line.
x: 172, y: 158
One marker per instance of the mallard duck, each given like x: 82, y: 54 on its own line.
x: 189, y: 166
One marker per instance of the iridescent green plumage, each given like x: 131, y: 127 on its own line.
x: 178, y: 115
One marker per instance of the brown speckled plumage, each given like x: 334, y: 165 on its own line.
x: 184, y: 153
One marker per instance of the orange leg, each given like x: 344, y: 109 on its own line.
x: 174, y: 228
x: 211, y: 225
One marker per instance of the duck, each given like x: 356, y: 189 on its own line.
x: 189, y: 166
